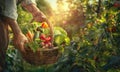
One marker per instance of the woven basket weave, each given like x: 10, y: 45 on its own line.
x: 41, y: 56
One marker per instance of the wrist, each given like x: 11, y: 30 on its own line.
x: 31, y: 8
x: 16, y: 34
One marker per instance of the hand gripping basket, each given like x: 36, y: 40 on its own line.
x: 42, y: 56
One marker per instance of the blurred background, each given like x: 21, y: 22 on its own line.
x: 93, y: 27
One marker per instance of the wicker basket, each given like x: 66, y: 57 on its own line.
x: 41, y: 56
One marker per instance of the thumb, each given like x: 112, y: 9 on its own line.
x: 22, y: 49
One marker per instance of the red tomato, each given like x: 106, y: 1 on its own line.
x: 46, y: 42
x: 42, y: 37
x: 48, y: 39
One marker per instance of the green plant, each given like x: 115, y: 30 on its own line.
x: 39, y: 36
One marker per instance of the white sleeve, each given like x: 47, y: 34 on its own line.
x: 30, y: 1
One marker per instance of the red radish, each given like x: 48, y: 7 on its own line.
x: 42, y: 43
x: 46, y: 42
x: 49, y: 44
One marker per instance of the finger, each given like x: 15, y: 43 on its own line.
x: 22, y: 47
x: 26, y: 41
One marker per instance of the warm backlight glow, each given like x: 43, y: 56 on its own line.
x: 65, y: 6
x: 53, y: 4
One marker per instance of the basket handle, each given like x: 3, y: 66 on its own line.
x: 51, y: 30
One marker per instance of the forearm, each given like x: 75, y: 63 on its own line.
x: 33, y: 9
x: 37, y: 14
x: 14, y: 26
x: 19, y: 38
x: 30, y: 8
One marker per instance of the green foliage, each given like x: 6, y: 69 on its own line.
x: 34, y: 45
x: 59, y: 30
x: 45, y: 7
x: 94, y: 48
x: 13, y: 60
x: 95, y: 44
x: 60, y: 36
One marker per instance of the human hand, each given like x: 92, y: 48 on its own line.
x: 19, y: 42
x: 38, y: 16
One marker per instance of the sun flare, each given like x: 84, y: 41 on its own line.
x: 64, y: 6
